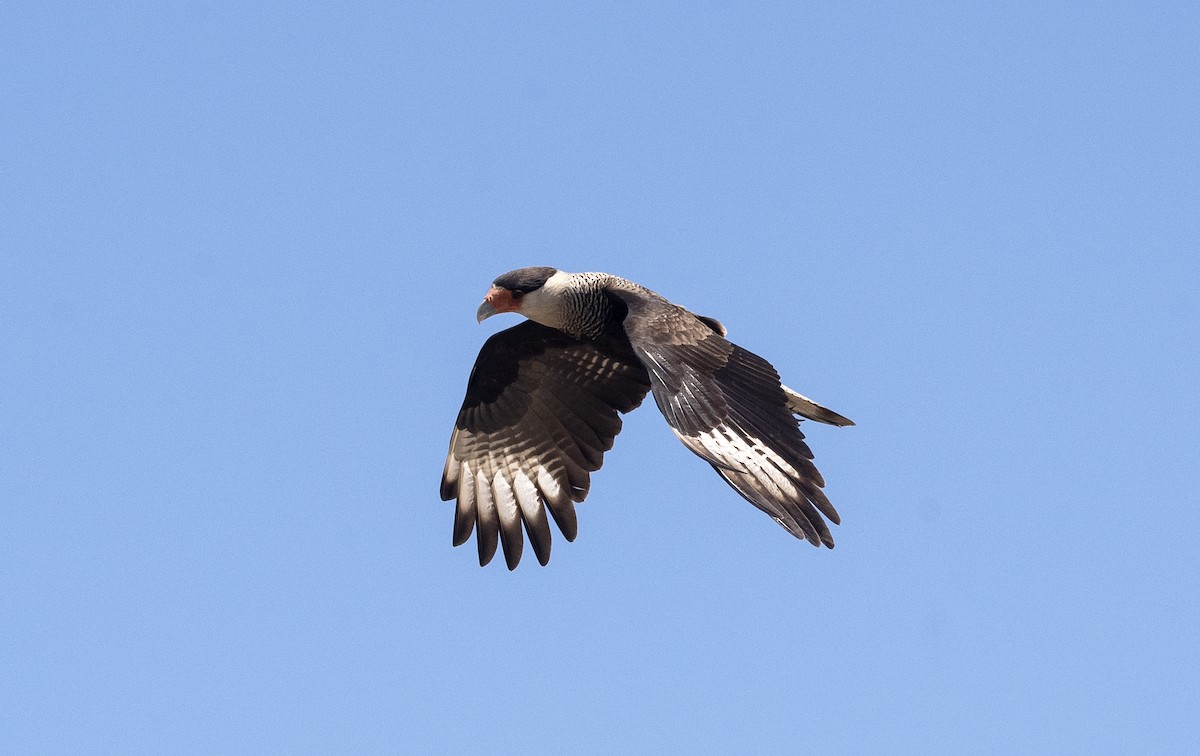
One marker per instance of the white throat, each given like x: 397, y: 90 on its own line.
x: 547, y: 304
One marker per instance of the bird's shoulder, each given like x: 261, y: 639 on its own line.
x: 652, y: 318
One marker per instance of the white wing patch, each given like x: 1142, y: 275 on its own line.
x: 506, y: 503
x: 746, y: 455
x: 505, y: 492
x: 485, y: 508
x: 764, y: 478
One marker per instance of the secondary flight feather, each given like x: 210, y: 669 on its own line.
x: 545, y: 398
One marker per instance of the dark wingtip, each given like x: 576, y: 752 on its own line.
x: 512, y: 560
x: 487, y: 548
x: 512, y: 548
x: 462, y: 533
x: 566, y: 519
x: 541, y: 548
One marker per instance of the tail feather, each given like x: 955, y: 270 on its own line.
x: 805, y: 407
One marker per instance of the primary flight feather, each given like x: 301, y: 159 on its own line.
x: 545, y: 397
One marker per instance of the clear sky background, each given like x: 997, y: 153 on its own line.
x: 241, y: 250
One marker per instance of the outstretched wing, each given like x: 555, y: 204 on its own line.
x: 541, y: 409
x: 727, y: 405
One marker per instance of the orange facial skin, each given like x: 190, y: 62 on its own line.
x: 498, y: 300
x: 502, y: 299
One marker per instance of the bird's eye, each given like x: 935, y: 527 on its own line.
x: 517, y: 294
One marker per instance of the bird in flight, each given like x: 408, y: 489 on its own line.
x: 544, y: 401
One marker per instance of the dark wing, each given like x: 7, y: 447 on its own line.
x: 540, y: 412
x: 727, y: 405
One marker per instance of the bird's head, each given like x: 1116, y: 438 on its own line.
x: 522, y: 290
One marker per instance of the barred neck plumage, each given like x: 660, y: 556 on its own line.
x: 586, y: 311
x: 584, y: 305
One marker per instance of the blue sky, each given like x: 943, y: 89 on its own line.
x: 241, y: 250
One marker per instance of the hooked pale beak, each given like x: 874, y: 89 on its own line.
x: 485, y: 311
x: 497, y: 300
